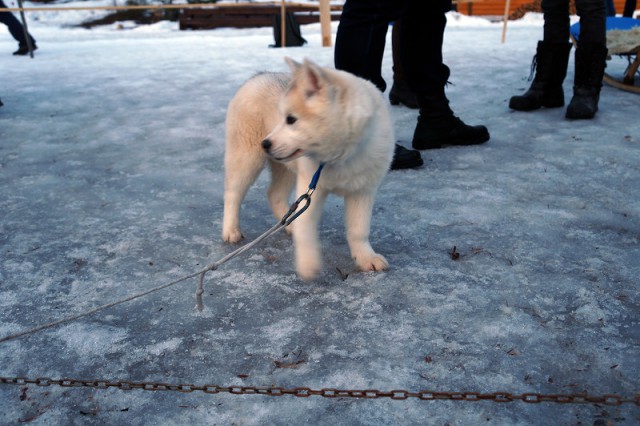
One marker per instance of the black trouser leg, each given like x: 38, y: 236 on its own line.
x: 629, y: 8
x: 593, y: 21
x: 400, y: 92
x: 361, y: 37
x: 556, y: 21
x: 422, y: 35
x: 15, y: 27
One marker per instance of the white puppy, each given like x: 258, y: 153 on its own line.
x: 294, y: 123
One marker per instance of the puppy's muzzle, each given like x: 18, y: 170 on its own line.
x: 266, y: 145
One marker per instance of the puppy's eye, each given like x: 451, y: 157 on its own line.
x: 291, y: 119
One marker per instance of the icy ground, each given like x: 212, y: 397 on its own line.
x: 111, y: 182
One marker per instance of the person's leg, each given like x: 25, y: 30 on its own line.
x: 591, y: 57
x: 556, y: 20
x: 15, y: 27
x: 400, y: 92
x: 361, y: 37
x: 629, y: 8
x: 16, y: 30
x: 611, y: 8
x: 551, y: 60
x: 422, y: 36
x: 593, y: 21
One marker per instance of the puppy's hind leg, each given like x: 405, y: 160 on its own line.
x: 242, y: 167
x: 282, y: 181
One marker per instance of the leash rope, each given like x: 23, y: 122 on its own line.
x: 295, y: 210
x: 289, y: 217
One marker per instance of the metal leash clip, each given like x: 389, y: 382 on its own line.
x: 290, y: 216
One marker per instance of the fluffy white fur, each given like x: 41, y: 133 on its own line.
x: 295, y: 122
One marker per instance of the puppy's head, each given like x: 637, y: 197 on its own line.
x: 307, y: 110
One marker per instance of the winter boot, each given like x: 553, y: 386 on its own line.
x: 590, y: 63
x: 23, y: 48
x: 550, y: 66
x: 438, y: 126
x: 404, y: 158
x: 400, y: 93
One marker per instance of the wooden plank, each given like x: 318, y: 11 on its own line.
x: 505, y: 18
x: 247, y: 16
x: 325, y: 22
x: 489, y: 7
x: 283, y: 24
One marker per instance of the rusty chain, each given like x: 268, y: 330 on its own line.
x: 304, y: 392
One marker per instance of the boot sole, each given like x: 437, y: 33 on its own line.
x: 537, y: 106
x: 580, y: 115
x: 452, y: 142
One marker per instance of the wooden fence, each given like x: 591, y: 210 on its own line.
x: 496, y: 7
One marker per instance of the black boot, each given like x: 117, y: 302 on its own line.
x: 404, y: 158
x: 23, y: 49
x: 400, y: 93
x: 438, y: 126
x: 550, y: 65
x: 590, y: 63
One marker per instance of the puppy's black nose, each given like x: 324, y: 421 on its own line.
x: 266, y: 144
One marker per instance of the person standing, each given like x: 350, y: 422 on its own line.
x: 17, y: 31
x: 359, y: 49
x: 552, y: 58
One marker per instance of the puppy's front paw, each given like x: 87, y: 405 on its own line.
x: 373, y: 262
x: 232, y: 235
x: 308, y: 268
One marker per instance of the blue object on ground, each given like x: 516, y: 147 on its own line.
x: 613, y: 23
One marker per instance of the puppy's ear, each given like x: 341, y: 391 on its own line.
x: 313, y: 78
x: 293, y: 65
